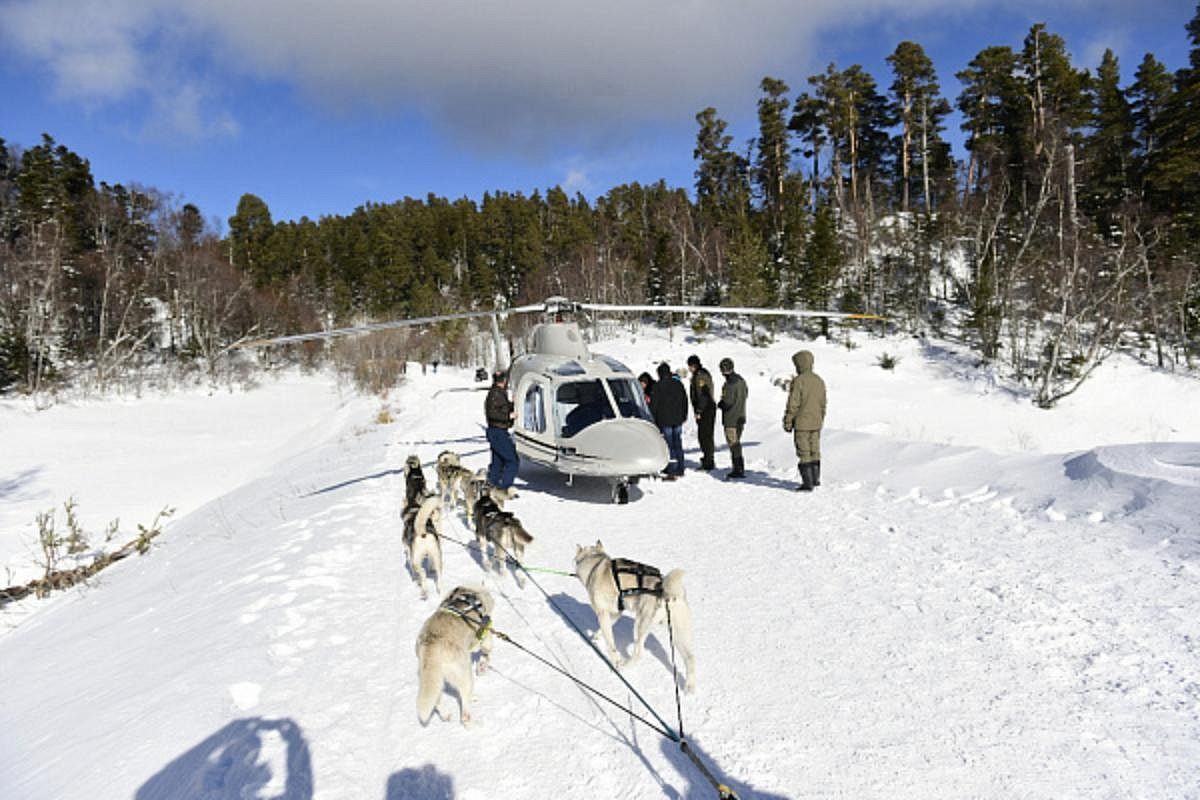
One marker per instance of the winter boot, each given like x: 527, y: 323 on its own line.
x: 739, y: 469
x: 816, y: 465
x: 806, y: 476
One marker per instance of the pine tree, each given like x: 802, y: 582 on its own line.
x: 808, y: 123
x: 1175, y: 170
x: 773, y: 152
x: 918, y: 105
x: 1148, y: 98
x: 250, y: 233
x: 1108, y: 151
x: 992, y: 113
x: 721, y: 189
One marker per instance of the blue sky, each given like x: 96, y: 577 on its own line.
x: 320, y: 107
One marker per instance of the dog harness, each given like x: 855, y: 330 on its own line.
x: 646, y: 580
x: 466, y: 605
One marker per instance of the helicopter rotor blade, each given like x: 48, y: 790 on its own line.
x: 381, y: 326
x: 768, y: 312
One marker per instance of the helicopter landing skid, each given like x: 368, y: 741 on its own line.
x: 620, y: 490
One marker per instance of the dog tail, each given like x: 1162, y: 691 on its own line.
x: 673, y: 585
x: 429, y: 691
x: 521, y: 535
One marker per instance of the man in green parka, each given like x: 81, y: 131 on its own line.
x: 803, y: 418
x: 733, y: 416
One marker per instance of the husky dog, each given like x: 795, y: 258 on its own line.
x: 504, y: 531
x: 415, y: 488
x: 455, y: 486
x: 460, y: 626
x: 472, y: 491
x: 446, y: 460
x: 422, y: 541
x: 616, y: 585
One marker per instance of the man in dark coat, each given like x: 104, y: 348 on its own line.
x: 498, y: 410
x: 704, y: 406
x: 733, y: 415
x: 670, y: 406
x: 804, y: 417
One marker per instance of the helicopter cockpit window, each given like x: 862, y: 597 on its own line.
x: 581, y: 403
x: 631, y: 402
x: 613, y: 364
x: 535, y: 410
x: 570, y: 368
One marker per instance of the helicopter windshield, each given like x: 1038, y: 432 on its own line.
x: 579, y: 404
x: 631, y: 402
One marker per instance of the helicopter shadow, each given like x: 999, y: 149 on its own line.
x: 582, y: 488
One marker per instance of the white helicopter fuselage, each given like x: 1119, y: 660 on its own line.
x: 579, y: 413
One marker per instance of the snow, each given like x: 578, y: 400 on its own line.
x: 984, y: 599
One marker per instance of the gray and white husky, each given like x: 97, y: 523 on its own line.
x: 502, y: 530
x: 642, y: 591
x: 460, y: 626
x: 453, y: 478
x: 472, y: 491
x: 422, y: 541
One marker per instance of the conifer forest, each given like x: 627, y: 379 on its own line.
x: 1065, y: 227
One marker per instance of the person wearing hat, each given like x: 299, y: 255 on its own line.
x: 705, y: 409
x: 733, y: 415
x: 669, y: 404
x: 804, y: 418
x: 498, y: 410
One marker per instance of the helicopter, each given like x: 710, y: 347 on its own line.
x: 576, y: 412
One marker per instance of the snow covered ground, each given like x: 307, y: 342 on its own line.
x: 983, y: 600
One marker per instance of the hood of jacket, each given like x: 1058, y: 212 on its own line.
x: 803, y: 361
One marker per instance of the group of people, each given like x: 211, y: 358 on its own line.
x: 803, y: 416
x: 669, y: 403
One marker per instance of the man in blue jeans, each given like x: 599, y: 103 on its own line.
x: 499, y: 412
x: 670, y: 407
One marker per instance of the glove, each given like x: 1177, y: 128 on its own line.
x: 787, y: 427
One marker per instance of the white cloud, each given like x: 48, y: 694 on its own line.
x: 515, y: 75
x: 576, y: 181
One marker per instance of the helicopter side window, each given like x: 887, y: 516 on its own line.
x: 580, y: 404
x: 535, y: 410
x: 631, y: 402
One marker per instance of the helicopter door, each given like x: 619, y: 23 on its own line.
x: 534, y: 434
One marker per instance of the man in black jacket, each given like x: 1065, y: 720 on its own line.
x: 705, y: 409
x: 670, y: 406
x: 499, y: 412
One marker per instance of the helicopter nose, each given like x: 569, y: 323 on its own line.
x: 627, y: 446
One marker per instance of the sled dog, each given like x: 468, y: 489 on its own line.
x: 422, y: 541
x: 460, y: 626
x: 616, y: 585
x: 446, y: 461
x: 472, y: 491
x: 415, y: 488
x: 455, y: 486
x: 507, y: 536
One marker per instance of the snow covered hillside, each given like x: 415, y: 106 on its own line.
x: 983, y: 600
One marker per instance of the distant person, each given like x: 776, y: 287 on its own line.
x: 670, y: 407
x: 498, y: 410
x: 733, y: 416
x: 435, y: 363
x: 804, y: 417
x: 704, y: 407
x: 647, y: 387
